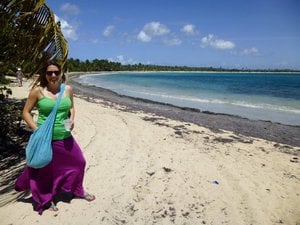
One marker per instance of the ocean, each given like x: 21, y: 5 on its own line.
x: 261, y: 96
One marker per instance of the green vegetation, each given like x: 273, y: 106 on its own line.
x: 29, y: 36
x: 4, y: 93
x: 12, y: 135
x: 105, y: 65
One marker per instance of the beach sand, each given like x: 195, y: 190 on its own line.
x: 147, y: 168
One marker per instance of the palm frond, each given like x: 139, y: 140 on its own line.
x: 29, y: 35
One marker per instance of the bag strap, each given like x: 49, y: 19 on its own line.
x: 62, y: 89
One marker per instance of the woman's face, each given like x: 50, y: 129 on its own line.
x: 53, y: 75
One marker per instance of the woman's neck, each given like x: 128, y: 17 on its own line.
x: 54, y: 89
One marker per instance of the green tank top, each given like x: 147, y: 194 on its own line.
x: 45, y: 106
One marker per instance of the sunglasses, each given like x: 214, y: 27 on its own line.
x: 56, y: 72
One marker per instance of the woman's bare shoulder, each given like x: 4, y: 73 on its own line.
x: 36, y: 92
x: 69, y: 89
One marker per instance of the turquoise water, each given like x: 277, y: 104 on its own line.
x: 261, y: 96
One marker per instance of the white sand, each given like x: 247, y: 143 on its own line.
x: 142, y: 172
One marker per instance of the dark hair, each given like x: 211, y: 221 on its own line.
x: 42, y: 80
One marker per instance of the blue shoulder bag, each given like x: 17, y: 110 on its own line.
x: 39, y: 147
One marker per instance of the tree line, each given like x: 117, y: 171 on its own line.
x: 76, y: 65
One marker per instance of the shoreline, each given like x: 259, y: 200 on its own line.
x: 179, y: 71
x: 147, y: 169
x: 285, y: 134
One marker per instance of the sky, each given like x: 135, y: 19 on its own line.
x: 243, y: 34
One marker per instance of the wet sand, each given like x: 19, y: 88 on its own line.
x: 147, y: 169
x: 285, y: 134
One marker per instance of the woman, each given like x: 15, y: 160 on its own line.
x: 66, y: 170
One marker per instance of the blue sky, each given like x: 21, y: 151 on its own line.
x: 252, y: 34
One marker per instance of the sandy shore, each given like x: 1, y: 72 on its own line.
x: 285, y: 134
x: 149, y: 168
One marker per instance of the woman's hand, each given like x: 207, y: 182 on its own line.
x: 30, y: 103
x: 72, y: 125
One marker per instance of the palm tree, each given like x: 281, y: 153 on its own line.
x: 29, y: 35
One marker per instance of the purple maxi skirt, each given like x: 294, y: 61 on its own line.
x: 64, y: 173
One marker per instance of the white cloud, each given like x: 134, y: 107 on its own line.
x: 70, y: 9
x: 108, y: 31
x: 250, y: 51
x: 68, y: 30
x: 188, y: 29
x: 173, y: 41
x: 214, y: 42
x: 152, y: 30
x: 142, y: 36
x: 94, y: 41
x: 123, y: 60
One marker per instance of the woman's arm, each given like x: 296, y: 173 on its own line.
x: 30, y: 103
x: 72, y: 109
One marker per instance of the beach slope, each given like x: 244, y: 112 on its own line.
x: 146, y: 168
